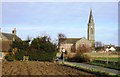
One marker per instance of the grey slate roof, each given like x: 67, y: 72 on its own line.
x: 10, y: 36
x: 68, y: 40
x: 6, y: 43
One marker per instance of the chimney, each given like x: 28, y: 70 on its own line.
x: 14, y: 33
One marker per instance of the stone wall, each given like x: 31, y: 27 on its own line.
x: 67, y: 47
x: 83, y: 42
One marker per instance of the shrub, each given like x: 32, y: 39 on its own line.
x: 79, y: 58
x: 98, y: 48
x: 9, y: 57
x: 42, y: 56
x: 19, y: 49
x: 19, y: 55
x: 42, y: 49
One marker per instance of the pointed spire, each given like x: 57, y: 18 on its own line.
x: 91, y: 17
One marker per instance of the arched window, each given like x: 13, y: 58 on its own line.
x: 83, y: 45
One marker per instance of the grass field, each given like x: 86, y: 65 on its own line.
x: 103, y: 56
x: 98, y: 54
x: 116, y: 59
x: 105, y: 65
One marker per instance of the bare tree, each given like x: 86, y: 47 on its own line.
x: 98, y: 44
x: 61, y: 38
x: 61, y: 35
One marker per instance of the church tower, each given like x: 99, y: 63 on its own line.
x: 91, y: 30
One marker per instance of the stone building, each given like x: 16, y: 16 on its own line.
x: 6, y: 40
x: 73, y: 44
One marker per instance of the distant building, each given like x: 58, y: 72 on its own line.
x: 110, y: 47
x: 72, y: 44
x: 6, y: 40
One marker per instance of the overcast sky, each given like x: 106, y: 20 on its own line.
x: 70, y: 18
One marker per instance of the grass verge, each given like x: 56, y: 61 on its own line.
x: 91, y: 70
x: 116, y: 67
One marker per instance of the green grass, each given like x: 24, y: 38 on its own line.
x: 116, y: 59
x: 105, y: 65
x: 103, y: 56
x: 92, y: 70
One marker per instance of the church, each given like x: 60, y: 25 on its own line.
x: 73, y: 44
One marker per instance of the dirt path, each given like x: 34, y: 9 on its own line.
x: 39, y: 68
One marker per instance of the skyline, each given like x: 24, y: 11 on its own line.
x: 37, y: 18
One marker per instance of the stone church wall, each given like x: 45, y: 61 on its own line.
x: 67, y: 47
x: 83, y: 42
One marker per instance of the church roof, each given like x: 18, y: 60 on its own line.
x: 68, y: 40
x: 10, y: 36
